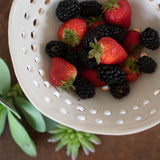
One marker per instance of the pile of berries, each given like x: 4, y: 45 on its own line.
x: 98, y: 49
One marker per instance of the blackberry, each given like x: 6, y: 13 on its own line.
x: 111, y: 74
x: 150, y: 38
x: 55, y: 49
x: 84, y: 88
x: 147, y: 64
x: 98, y: 32
x: 116, y: 32
x: 119, y: 91
x: 67, y: 9
x: 73, y: 58
x: 90, y: 63
x: 90, y: 8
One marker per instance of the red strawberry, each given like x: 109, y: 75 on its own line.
x: 95, y: 24
x: 91, y: 75
x: 131, y: 69
x: 62, y: 73
x: 107, y: 51
x: 72, y: 31
x: 92, y: 22
x: 118, y: 12
x: 132, y: 42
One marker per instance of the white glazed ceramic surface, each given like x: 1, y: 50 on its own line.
x: 32, y: 24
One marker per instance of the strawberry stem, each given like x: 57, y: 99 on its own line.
x: 68, y: 85
x: 96, y: 51
x: 70, y: 38
x: 92, y: 20
x: 132, y: 65
x: 109, y: 5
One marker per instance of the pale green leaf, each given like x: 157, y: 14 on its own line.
x: 20, y: 136
x: 50, y: 124
x: 94, y: 139
x: 8, y: 104
x: 15, y: 91
x: 75, y: 149
x: 3, y: 116
x: 69, y: 148
x: 31, y: 114
x: 87, y: 144
x: 5, y: 78
x: 60, y: 145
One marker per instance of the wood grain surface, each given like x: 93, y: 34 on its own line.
x: 142, y: 146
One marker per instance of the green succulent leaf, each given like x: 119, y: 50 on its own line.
x: 87, y: 144
x: 5, y: 80
x: 94, y: 139
x: 20, y: 136
x: 3, y: 116
x: 75, y: 149
x: 50, y: 124
x: 31, y: 114
x: 8, y: 104
x: 73, y: 140
x: 69, y: 148
x: 16, y: 91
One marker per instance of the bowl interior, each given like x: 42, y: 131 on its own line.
x: 32, y: 24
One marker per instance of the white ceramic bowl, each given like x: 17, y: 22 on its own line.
x: 32, y: 24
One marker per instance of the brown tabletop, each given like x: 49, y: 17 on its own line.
x: 142, y: 146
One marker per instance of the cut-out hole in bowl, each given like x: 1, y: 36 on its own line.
x: 29, y: 68
x: 26, y: 15
x: 81, y: 118
x: 63, y: 110
x: 33, y: 35
x: 120, y: 121
x: 33, y: 47
x: 37, y: 60
x: 93, y: 111
x: 47, y: 99
x: 41, y: 72
x: 35, y: 83
x: 107, y: 113
x: 41, y: 11
x: 67, y: 101
x: 24, y: 50
x: 146, y: 102
x: 80, y: 108
x: 36, y: 22
x: 138, y: 118
x: 47, y: 84
x: 99, y: 121
x: 32, y: 1
x: 57, y: 94
x: 46, y: 2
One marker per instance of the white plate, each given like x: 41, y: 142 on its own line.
x: 32, y: 24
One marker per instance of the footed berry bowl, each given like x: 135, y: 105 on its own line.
x: 33, y: 23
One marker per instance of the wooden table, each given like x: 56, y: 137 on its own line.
x: 142, y: 146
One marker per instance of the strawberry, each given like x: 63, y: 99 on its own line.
x: 118, y: 12
x: 132, y: 42
x: 107, y: 51
x: 72, y: 32
x: 93, y: 22
x: 91, y: 75
x: 62, y: 73
x: 131, y: 69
